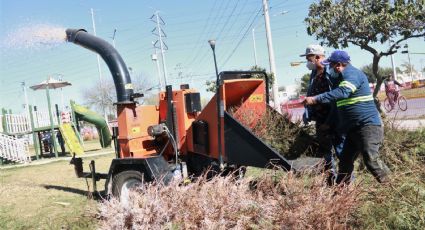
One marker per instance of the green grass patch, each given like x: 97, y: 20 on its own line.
x: 401, y: 203
x: 48, y: 196
x: 408, y: 93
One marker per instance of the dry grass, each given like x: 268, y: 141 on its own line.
x: 286, y: 202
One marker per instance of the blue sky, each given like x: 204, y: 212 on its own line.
x: 189, y: 25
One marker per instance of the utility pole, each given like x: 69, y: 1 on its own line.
x: 162, y: 46
x: 179, y: 70
x: 392, y: 62
x: 99, y: 69
x: 253, y: 35
x: 155, y: 59
x: 271, y: 54
x: 408, y: 56
x: 255, y: 49
x: 94, y: 32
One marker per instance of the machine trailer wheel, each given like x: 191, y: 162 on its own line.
x: 123, y: 182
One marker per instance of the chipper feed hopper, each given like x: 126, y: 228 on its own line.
x: 178, y: 137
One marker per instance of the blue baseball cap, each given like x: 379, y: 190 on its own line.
x: 337, y: 56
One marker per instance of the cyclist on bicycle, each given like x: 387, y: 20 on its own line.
x: 392, y: 89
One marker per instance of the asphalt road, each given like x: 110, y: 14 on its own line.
x: 415, y: 109
x: 412, y: 118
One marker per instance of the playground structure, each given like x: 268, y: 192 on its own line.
x: 49, y: 132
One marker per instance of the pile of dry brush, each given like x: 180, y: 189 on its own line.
x: 285, y: 202
x: 275, y: 202
x: 289, y: 139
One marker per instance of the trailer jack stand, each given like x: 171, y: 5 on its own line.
x: 92, y: 167
x: 78, y: 167
x: 95, y: 177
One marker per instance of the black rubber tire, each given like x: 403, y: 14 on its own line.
x: 120, y: 179
x: 387, y: 105
x: 402, y: 103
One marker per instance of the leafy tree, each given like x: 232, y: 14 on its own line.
x: 304, y: 83
x: 269, y: 75
x: 368, y: 70
x: 406, y: 68
x: 211, y: 84
x: 366, y: 23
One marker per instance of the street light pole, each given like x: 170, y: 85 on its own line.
x: 62, y: 104
x: 220, y: 109
x: 27, y: 111
x: 113, y: 37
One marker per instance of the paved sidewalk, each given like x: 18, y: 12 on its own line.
x: 47, y: 161
x: 409, y: 124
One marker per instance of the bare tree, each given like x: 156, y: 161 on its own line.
x: 102, y: 96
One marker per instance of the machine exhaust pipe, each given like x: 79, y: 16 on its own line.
x: 113, y: 59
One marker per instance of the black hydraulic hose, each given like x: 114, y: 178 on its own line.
x: 113, y: 59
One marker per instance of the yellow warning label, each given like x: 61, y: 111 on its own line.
x: 256, y: 98
x: 128, y: 86
x: 136, y: 130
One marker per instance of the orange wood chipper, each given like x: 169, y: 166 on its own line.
x: 178, y: 137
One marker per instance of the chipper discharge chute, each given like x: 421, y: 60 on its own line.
x: 178, y: 137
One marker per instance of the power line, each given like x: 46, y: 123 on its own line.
x: 205, y: 53
x: 205, y: 29
x: 242, y: 38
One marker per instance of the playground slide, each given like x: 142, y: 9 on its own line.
x: 71, y: 139
x: 89, y: 116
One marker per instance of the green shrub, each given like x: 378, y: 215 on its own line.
x: 401, y: 203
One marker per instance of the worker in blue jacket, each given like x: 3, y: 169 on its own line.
x: 359, y: 118
x: 324, y: 115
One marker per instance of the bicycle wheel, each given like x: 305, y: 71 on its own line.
x: 387, y: 105
x: 402, y: 103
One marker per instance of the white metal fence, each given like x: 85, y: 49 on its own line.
x: 20, y: 123
x: 14, y: 149
x: 42, y: 119
x: 17, y: 123
x: 1, y: 124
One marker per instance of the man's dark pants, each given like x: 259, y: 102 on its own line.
x: 365, y: 140
x: 328, y: 139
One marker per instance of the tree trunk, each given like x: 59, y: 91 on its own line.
x: 376, y: 58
